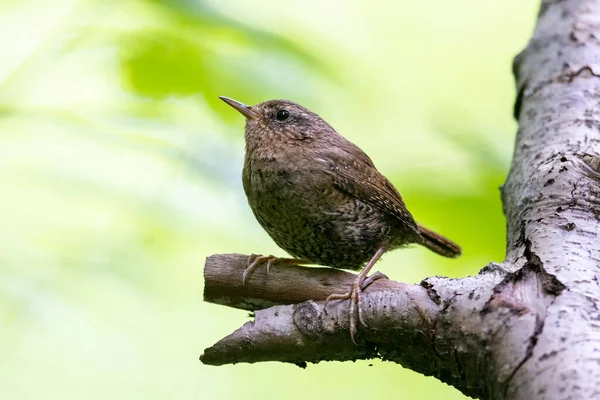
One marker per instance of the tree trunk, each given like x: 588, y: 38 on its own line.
x: 527, y: 328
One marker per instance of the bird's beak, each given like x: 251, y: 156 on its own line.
x: 245, y: 110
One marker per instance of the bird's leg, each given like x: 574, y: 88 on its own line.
x: 360, y: 283
x: 257, y: 259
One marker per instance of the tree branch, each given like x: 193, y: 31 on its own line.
x: 284, y: 285
x: 311, y: 330
x: 413, y: 325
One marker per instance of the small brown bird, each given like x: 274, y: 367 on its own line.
x: 320, y: 197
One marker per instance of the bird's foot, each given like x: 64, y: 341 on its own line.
x: 377, y: 275
x: 255, y: 260
x: 355, y: 293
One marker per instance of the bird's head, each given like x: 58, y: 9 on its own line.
x: 281, y: 121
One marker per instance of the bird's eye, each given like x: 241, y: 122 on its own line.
x: 282, y: 115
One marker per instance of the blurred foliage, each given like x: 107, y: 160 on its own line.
x: 207, y: 54
x: 120, y: 173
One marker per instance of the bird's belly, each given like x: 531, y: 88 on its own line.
x: 326, y: 227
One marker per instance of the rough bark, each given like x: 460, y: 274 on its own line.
x: 526, y: 328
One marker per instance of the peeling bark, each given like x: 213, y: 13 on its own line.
x: 527, y: 328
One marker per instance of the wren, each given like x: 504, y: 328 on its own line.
x: 320, y: 197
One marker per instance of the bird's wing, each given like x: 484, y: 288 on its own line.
x: 353, y: 172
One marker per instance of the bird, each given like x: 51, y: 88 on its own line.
x: 321, y: 198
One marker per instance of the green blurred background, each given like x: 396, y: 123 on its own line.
x: 121, y: 173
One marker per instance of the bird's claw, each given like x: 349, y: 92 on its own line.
x: 355, y: 297
x: 255, y: 260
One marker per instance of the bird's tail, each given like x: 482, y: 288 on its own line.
x: 439, y: 244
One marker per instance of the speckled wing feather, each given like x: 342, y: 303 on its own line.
x: 354, y: 173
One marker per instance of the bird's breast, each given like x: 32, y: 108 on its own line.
x: 308, y: 216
